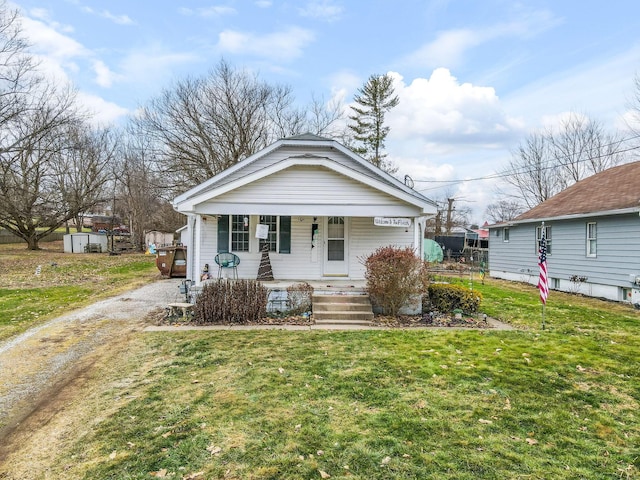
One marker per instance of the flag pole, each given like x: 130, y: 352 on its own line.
x: 543, y: 280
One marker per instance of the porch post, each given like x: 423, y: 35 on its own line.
x: 196, y: 251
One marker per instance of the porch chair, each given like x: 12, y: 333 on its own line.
x: 227, y: 260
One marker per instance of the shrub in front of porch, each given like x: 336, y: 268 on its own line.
x: 231, y: 302
x: 394, y: 275
x: 446, y: 297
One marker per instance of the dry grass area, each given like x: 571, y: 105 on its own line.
x: 38, y: 285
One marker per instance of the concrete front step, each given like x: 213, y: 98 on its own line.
x: 341, y: 315
x: 342, y: 309
x: 346, y: 307
x: 342, y: 322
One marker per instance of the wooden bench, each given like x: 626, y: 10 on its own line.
x: 180, y: 309
x: 93, y: 248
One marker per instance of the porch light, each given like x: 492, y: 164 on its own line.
x: 246, y: 222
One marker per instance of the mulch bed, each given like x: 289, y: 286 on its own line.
x: 427, y: 320
x: 404, y: 321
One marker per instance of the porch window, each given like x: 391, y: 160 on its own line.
x: 547, y: 237
x: 591, y: 239
x: 239, y: 233
x: 279, y: 237
x: 233, y: 230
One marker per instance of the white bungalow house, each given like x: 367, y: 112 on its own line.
x: 326, y: 209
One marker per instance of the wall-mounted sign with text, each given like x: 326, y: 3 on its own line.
x: 392, y: 222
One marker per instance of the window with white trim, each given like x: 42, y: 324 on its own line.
x: 505, y: 234
x: 592, y: 235
x: 279, y: 236
x: 239, y: 233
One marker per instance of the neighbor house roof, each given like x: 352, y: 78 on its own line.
x: 614, y: 190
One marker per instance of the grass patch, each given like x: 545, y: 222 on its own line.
x: 395, y: 404
x: 367, y: 405
x: 38, y: 285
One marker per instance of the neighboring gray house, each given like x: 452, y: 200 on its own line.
x: 325, y: 208
x: 593, y: 234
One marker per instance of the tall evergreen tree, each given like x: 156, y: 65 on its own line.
x: 373, y: 101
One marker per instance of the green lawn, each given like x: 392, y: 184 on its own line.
x: 442, y: 404
x: 38, y: 285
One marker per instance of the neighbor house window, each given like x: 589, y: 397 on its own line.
x: 233, y: 230
x: 591, y: 239
x: 547, y: 237
x: 279, y: 237
x: 505, y: 235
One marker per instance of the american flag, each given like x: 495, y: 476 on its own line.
x: 543, y: 286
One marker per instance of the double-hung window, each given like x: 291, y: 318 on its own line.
x: 279, y: 236
x: 233, y: 233
x: 505, y: 234
x: 591, y: 239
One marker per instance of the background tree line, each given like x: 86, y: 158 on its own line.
x: 56, y: 164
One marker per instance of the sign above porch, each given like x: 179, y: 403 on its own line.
x: 392, y: 222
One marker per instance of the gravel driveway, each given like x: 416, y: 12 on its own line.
x: 34, y: 364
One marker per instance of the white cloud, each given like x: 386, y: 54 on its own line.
x: 282, y: 46
x: 322, y: 9
x: 213, y: 11
x: 103, y: 112
x: 440, y: 109
x: 264, y: 3
x: 118, y: 19
x: 104, y: 76
x: 153, y: 65
x: 599, y: 88
x: 449, y: 47
x: 48, y: 41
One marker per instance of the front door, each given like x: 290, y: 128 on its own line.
x: 336, y: 252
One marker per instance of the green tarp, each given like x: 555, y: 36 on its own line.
x: 432, y: 252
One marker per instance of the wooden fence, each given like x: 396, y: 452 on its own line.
x: 6, y: 237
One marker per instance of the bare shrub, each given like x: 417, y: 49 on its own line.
x: 299, y: 295
x: 393, y: 275
x: 231, y: 302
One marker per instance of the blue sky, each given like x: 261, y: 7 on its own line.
x: 473, y: 77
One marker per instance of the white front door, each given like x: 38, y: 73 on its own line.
x: 336, y: 251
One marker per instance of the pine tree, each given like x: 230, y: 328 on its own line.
x: 373, y: 101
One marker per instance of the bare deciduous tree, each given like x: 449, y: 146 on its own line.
x: 531, y: 172
x: 33, y: 204
x: 547, y: 162
x: 82, y: 168
x: 202, y: 126
x: 581, y: 148
x: 503, y: 211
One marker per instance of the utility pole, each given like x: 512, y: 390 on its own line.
x: 449, y: 210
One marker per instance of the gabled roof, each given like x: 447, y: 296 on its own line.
x: 615, y: 190
x: 359, y: 169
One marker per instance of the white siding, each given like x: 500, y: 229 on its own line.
x: 365, y: 238
x: 303, y: 263
x: 309, y: 190
x: 287, y: 152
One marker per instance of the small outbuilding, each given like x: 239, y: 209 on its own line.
x: 159, y: 239
x: 85, y: 243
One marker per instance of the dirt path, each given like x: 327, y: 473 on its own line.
x: 36, y: 365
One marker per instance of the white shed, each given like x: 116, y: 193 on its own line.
x: 159, y: 239
x: 77, y: 242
